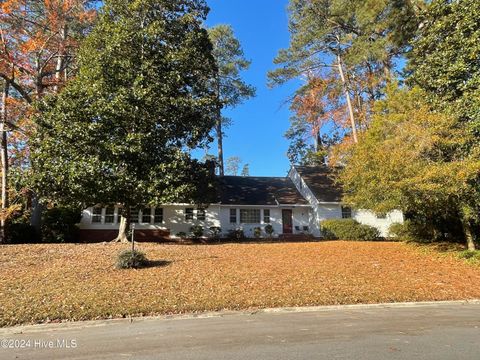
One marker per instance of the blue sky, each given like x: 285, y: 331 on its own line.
x: 256, y: 135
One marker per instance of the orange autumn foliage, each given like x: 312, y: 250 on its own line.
x: 38, y: 43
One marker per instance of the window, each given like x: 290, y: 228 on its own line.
x: 233, y: 216
x: 266, y: 216
x: 158, y: 218
x: 250, y: 216
x: 109, y: 215
x: 97, y: 215
x: 189, y: 214
x: 346, y: 212
x: 201, y: 214
x: 134, y: 215
x: 146, y: 216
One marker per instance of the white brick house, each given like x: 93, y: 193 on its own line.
x: 295, y: 204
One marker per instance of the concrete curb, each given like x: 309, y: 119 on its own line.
x: 370, y: 306
x: 20, y: 329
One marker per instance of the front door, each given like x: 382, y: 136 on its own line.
x: 287, y: 221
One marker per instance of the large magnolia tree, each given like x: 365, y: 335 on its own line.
x: 119, y: 133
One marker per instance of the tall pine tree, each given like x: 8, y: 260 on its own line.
x: 229, y: 86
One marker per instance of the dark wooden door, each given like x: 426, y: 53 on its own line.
x: 287, y: 221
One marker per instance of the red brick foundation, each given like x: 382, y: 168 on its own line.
x: 92, y: 236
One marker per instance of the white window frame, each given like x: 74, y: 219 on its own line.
x: 269, y: 216
x: 99, y: 216
x: 230, y: 216
x: 347, y: 212
x: 149, y: 216
x: 191, y: 215
x: 204, y: 214
x: 113, y: 215
x: 137, y: 211
x: 155, y: 215
x: 249, y: 219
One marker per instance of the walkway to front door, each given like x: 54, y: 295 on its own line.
x: 287, y: 221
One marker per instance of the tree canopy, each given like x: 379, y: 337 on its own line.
x: 412, y: 158
x: 229, y: 86
x: 445, y: 60
x: 119, y: 132
x: 344, y: 51
x: 38, y: 45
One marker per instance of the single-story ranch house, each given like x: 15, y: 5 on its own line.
x: 293, y: 205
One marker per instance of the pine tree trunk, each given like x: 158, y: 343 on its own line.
x: 467, y: 229
x: 349, y: 101
x: 221, y: 165
x: 4, y: 158
x: 60, y: 67
x: 387, y: 71
x: 124, y: 226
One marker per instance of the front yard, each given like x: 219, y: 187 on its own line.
x: 56, y: 282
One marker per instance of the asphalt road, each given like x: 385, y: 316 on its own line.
x: 441, y: 331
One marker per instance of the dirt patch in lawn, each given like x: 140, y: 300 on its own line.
x: 57, y: 282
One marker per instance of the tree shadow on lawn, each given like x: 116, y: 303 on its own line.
x: 441, y: 246
x: 157, y: 263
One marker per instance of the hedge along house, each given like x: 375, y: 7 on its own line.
x: 294, y: 206
x: 316, y: 184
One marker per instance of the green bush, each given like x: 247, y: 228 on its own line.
x: 21, y: 233
x: 269, y: 230
x: 182, y: 234
x: 401, y: 231
x: 348, y: 229
x: 215, y: 232
x: 397, y: 231
x: 197, y: 231
x: 414, y: 231
x: 236, y: 234
x: 257, y: 232
x: 59, y: 225
x: 470, y: 254
x: 129, y: 259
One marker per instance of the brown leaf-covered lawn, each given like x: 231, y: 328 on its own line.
x: 41, y: 283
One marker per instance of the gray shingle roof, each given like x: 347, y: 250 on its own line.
x: 248, y: 190
x: 320, y: 180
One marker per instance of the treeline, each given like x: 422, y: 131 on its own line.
x: 391, y: 97
x: 103, y: 101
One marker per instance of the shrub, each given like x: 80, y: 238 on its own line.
x: 470, y: 254
x: 413, y: 231
x: 257, y: 232
x: 197, y: 231
x: 400, y: 231
x: 59, y: 225
x: 129, y: 259
x: 182, y: 234
x: 269, y: 230
x: 236, y: 234
x: 348, y: 229
x: 21, y: 233
x: 215, y: 231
